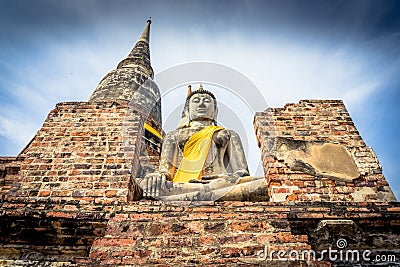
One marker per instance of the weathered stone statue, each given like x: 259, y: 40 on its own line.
x: 200, y: 160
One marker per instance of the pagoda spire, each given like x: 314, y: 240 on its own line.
x: 139, y: 57
x: 145, y: 37
x: 130, y: 74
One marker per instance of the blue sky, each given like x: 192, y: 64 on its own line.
x: 55, y: 51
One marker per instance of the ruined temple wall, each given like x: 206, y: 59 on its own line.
x: 58, y: 194
x: 68, y: 203
x: 149, y: 233
x: 79, y: 154
x: 317, y: 122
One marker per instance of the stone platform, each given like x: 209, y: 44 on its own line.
x: 155, y: 233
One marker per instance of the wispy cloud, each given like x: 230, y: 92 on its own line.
x: 18, y: 132
x: 283, y: 72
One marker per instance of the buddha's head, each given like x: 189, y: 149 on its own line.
x: 201, y: 105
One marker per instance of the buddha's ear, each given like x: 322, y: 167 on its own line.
x: 186, y: 111
x: 215, y: 113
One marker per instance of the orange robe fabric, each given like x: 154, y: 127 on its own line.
x: 195, y: 154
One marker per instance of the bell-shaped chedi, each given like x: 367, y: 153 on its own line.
x: 132, y: 81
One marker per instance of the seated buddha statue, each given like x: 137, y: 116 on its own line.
x: 201, y: 160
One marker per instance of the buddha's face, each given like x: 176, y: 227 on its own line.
x: 202, y: 107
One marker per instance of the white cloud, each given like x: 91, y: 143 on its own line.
x: 283, y: 71
x: 18, y: 132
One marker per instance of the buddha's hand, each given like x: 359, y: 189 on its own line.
x: 153, y: 183
x: 241, y: 173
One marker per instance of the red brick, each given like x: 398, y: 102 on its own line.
x: 60, y: 214
x: 111, y: 193
x: 207, y: 251
x: 241, y: 238
x: 266, y: 238
x: 278, y: 209
x: 44, y: 193
x: 206, y: 240
x: 231, y: 252
x: 122, y: 253
x: 98, y: 254
x: 179, y: 242
x: 393, y: 209
x: 196, y: 216
x: 205, y: 209
x: 114, y: 242
x: 251, y: 209
x: 156, y: 229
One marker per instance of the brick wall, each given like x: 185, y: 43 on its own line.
x: 148, y: 233
x: 78, y: 154
x: 232, y: 233
x: 9, y: 169
x: 42, y: 233
x: 58, y: 193
x: 318, y: 121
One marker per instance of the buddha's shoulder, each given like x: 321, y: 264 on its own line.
x: 226, y: 131
x: 172, y: 134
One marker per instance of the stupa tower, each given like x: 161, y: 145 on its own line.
x: 131, y: 72
x: 93, y: 150
x: 132, y: 81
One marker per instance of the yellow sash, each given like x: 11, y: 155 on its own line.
x: 194, y: 154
